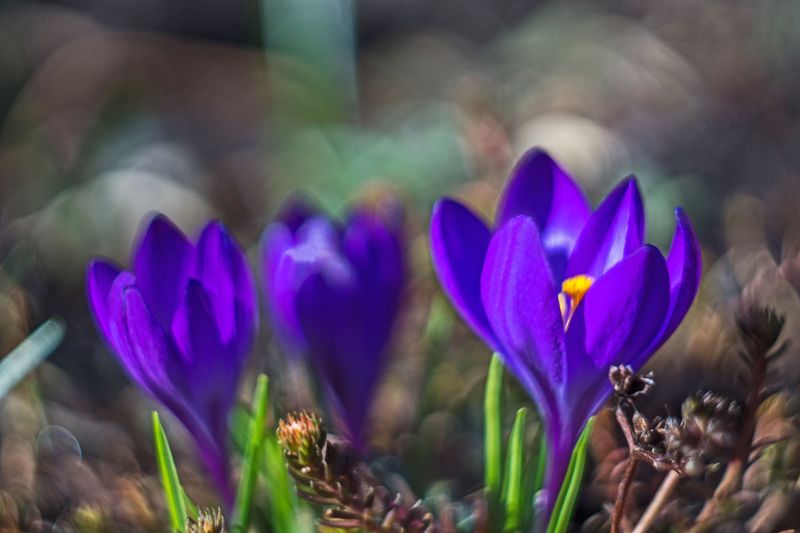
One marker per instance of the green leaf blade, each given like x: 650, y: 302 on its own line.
x: 284, y: 511
x: 512, y: 480
x: 571, y: 487
x: 493, y: 437
x: 252, y: 457
x: 173, y: 491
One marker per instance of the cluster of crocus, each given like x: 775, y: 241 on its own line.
x: 181, y: 323
x: 333, y: 293
x: 561, y: 292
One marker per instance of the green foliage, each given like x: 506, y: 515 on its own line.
x: 571, y: 487
x: 251, y: 460
x: 493, y: 437
x: 284, y: 511
x: 281, y: 506
x: 174, y: 495
x: 512, y: 479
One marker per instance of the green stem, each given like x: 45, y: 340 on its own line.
x: 493, y: 438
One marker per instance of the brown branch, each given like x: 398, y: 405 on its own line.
x: 622, y: 493
x: 658, y: 502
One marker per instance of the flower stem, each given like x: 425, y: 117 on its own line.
x: 658, y: 502
x: 622, y: 493
x: 630, y: 470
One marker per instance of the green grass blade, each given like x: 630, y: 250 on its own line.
x: 191, y: 508
x: 173, y: 492
x: 239, y: 425
x: 493, y: 437
x: 512, y: 478
x: 252, y: 456
x: 568, y: 495
x: 533, y: 479
x: 284, y: 512
x: 541, y: 464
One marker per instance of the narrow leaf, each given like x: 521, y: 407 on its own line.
x: 283, y: 506
x: 173, y: 492
x: 571, y: 487
x: 541, y: 464
x: 239, y: 423
x: 533, y: 478
x: 252, y: 456
x: 191, y: 508
x: 493, y: 438
x: 512, y: 479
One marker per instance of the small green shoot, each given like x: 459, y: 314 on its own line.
x: 512, y: 479
x: 568, y: 495
x: 252, y: 457
x: 493, y: 437
x: 174, y: 494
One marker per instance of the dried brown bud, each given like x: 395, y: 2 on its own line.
x: 760, y: 328
x: 627, y: 384
x: 642, y: 430
x: 672, y: 432
x: 711, y: 423
x: 207, y: 521
x: 302, y: 434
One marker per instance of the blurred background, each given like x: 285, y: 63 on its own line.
x: 113, y: 109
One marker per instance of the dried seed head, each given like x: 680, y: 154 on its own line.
x: 642, y: 430
x: 627, y: 384
x: 302, y: 434
x: 711, y: 423
x: 759, y: 327
x: 207, y: 521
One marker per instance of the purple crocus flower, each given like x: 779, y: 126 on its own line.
x: 181, y: 323
x: 333, y: 293
x: 561, y: 292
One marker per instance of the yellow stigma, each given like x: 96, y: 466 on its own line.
x: 575, y: 288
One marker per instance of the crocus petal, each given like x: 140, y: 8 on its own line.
x: 295, y: 212
x: 622, y: 312
x: 614, y: 231
x: 331, y: 312
x: 522, y: 306
x: 459, y: 241
x: 161, y: 265
x: 281, y: 285
x: 615, y: 321
x: 100, y: 275
x: 685, y: 266
x: 221, y: 267
x: 211, y: 370
x: 541, y: 189
x: 373, y: 249
x: 314, y: 248
x: 118, y: 335
x: 150, y: 347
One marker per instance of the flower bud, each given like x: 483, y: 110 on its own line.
x: 302, y: 434
x: 207, y: 521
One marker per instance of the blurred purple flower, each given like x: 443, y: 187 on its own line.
x: 181, y: 323
x: 333, y: 294
x: 619, y: 299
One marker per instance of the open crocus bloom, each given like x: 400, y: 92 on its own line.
x: 333, y: 293
x: 561, y: 292
x: 181, y: 323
